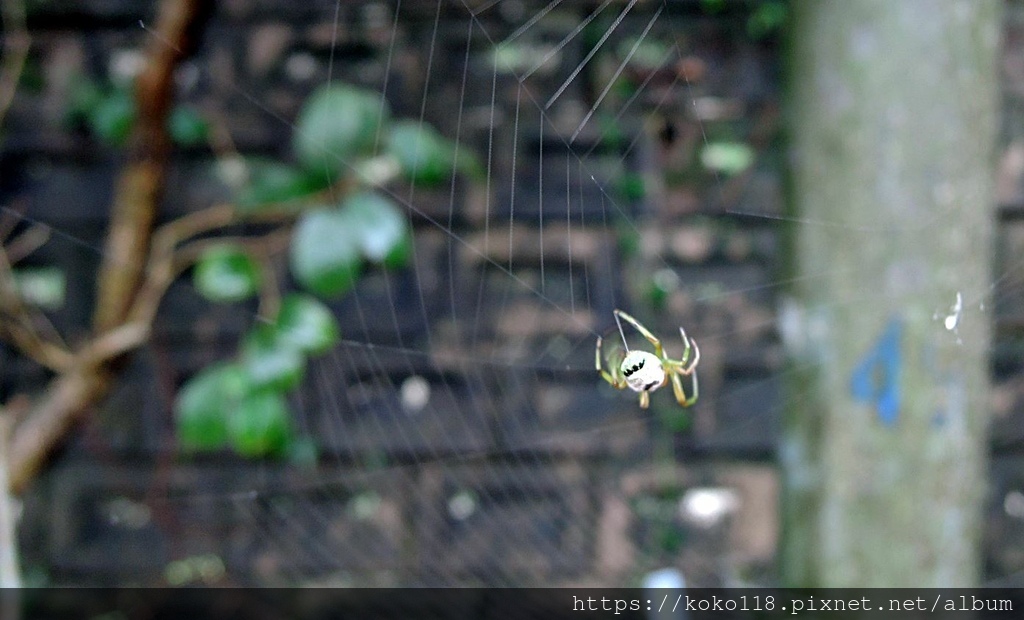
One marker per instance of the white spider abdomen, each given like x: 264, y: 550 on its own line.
x: 642, y: 371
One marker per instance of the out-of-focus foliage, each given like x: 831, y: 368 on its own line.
x: 344, y: 226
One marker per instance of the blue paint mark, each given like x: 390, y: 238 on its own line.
x: 876, y: 379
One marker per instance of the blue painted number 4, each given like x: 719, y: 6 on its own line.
x: 876, y: 379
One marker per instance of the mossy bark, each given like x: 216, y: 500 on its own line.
x: 893, y: 114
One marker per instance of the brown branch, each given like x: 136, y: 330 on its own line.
x: 114, y: 344
x: 168, y: 260
x: 161, y: 269
x: 16, y: 250
x: 50, y: 419
x: 19, y: 322
x: 64, y: 401
x: 31, y: 346
x: 10, y: 217
x: 139, y: 263
x: 85, y: 378
x: 27, y: 242
x: 141, y: 184
x: 266, y: 246
x: 40, y: 353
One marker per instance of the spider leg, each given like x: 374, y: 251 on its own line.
x: 645, y: 400
x: 680, y: 394
x: 611, y: 377
x: 658, y: 350
x: 682, y: 368
x: 686, y: 346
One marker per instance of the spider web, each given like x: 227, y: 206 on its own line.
x: 463, y: 435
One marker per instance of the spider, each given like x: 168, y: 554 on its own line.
x: 644, y: 372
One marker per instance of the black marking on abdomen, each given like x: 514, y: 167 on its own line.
x: 651, y: 385
x: 636, y: 367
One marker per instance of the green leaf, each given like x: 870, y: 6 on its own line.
x: 204, y: 404
x: 336, y: 123
x: 260, y: 425
x: 306, y: 324
x: 226, y: 273
x: 325, y: 252
x: 272, y: 182
x: 112, y: 117
x: 424, y: 156
x: 187, y: 127
x: 378, y: 224
x: 270, y: 361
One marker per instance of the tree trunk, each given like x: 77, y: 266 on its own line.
x: 894, y: 112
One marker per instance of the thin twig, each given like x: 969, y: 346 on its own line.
x: 160, y: 269
x: 41, y: 352
x: 48, y: 331
x: 167, y: 260
x: 168, y: 236
x: 34, y: 322
x: 114, y: 343
x: 20, y: 328
x: 9, y: 218
x: 271, y: 243
x: 27, y: 242
x: 264, y: 248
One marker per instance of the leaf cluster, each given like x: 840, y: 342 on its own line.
x: 343, y: 223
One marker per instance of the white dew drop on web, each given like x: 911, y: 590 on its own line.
x: 953, y: 319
